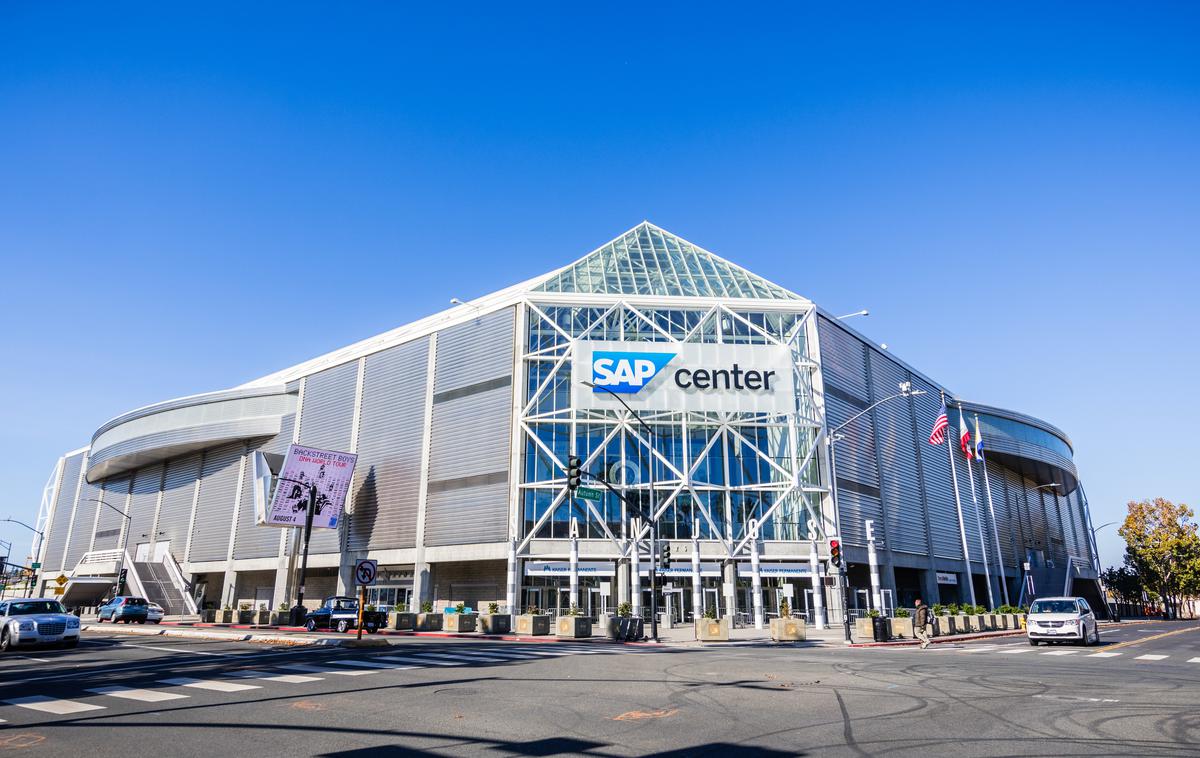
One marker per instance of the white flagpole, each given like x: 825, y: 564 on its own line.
x: 987, y: 571
x: 962, y: 529
x: 987, y: 488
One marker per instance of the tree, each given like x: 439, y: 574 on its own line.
x: 1124, y: 583
x: 1163, y: 547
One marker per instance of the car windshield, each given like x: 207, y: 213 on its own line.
x: 34, y: 606
x: 345, y: 604
x: 1054, y: 606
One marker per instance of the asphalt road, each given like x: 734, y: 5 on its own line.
x: 155, y: 696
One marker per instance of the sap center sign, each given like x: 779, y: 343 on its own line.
x: 673, y: 376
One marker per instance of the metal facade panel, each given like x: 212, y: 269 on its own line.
x: 146, y: 484
x: 897, y: 439
x: 84, y: 523
x: 939, y: 492
x: 325, y: 421
x: 218, y: 497
x: 855, y: 508
x: 843, y: 357
x: 473, y: 514
x: 179, y: 488
x: 111, y: 522
x: 1007, y: 525
x: 856, y: 451
x: 391, y: 431
x: 476, y: 351
x: 252, y: 540
x: 64, y: 507
x: 471, y: 438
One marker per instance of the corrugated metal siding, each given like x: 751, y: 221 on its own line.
x: 252, y: 540
x: 84, y: 524
x: 470, y: 438
x: 391, y: 431
x: 856, y: 508
x: 111, y: 522
x: 146, y: 483
x: 939, y: 492
x: 218, y: 497
x: 1007, y: 525
x: 175, y: 513
x: 325, y: 422
x: 897, y: 451
x: 843, y: 360
x: 475, y: 351
x: 856, y: 452
x: 64, y: 508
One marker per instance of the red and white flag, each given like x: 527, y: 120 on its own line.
x: 938, y: 435
x: 964, y: 437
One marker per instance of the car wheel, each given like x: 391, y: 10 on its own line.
x: 343, y: 626
x: 5, y: 645
x: 141, y: 621
x: 1033, y: 642
x: 311, y: 625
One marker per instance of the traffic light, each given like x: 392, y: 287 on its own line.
x: 573, y: 472
x: 665, y: 559
x: 835, y: 553
x: 121, y: 581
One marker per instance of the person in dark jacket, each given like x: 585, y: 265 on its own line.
x: 923, y: 624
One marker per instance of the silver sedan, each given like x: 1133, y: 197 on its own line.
x: 36, y: 621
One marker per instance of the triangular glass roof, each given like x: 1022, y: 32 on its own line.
x: 648, y: 260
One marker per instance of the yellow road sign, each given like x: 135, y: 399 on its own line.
x: 58, y: 590
x: 61, y: 579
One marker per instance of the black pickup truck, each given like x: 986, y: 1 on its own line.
x: 341, y: 613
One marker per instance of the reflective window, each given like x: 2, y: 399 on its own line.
x: 994, y: 426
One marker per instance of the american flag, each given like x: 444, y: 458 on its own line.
x: 938, y: 435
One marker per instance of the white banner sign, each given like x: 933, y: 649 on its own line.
x: 563, y: 568
x: 684, y: 569
x: 684, y: 376
x: 307, y: 473
x: 945, y: 578
x: 774, y: 569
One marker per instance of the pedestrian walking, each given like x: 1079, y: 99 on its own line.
x: 923, y: 624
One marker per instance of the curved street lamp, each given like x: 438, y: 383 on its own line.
x: 124, y: 540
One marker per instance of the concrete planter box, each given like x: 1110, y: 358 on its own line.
x: 262, y: 618
x: 903, y: 627
x: 863, y: 629
x: 620, y: 628
x: 403, y: 622
x: 942, y: 625
x: 975, y: 623
x: 208, y: 616
x: 573, y: 627
x: 226, y: 617
x: 787, y: 629
x: 495, y: 623
x: 533, y: 625
x: 992, y: 622
x: 281, y: 618
x: 429, y: 622
x: 459, y: 622
x: 246, y: 617
x: 713, y: 630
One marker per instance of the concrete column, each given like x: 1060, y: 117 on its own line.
x: 873, y: 563
x: 697, y: 591
x: 229, y: 589
x: 818, y: 590
x: 635, y: 578
x: 622, y: 578
x: 421, y: 587
x: 755, y: 577
x: 729, y: 577
x: 510, y: 595
x: 574, y: 572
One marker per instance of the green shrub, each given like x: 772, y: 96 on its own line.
x: 426, y: 606
x: 460, y: 608
x: 873, y: 614
x: 625, y: 610
x: 785, y: 608
x: 710, y: 612
x: 902, y: 613
x: 493, y: 607
x: 938, y: 609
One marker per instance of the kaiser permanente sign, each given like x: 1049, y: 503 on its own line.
x: 685, y: 376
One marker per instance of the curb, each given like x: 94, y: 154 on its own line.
x: 940, y: 640
x: 266, y: 639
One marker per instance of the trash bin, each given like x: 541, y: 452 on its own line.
x: 881, y: 629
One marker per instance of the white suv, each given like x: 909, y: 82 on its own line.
x: 1060, y: 619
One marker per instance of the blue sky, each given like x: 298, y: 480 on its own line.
x: 1013, y: 192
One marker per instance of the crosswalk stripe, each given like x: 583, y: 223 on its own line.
x: 292, y: 678
x: 1149, y: 657
x: 53, y: 705
x: 1103, y: 655
x: 133, y: 693
x: 209, y: 684
x: 405, y: 659
x: 1193, y: 660
x: 979, y: 648
x: 370, y: 664
x: 460, y: 658
x: 325, y: 670
x: 1061, y: 652
x: 1016, y: 650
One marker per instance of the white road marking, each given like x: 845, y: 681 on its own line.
x: 1016, y: 650
x: 31, y: 658
x: 1149, y: 657
x: 132, y: 693
x: 209, y: 684
x: 1103, y: 655
x: 979, y: 648
x: 292, y: 678
x: 460, y: 658
x: 178, y: 650
x: 1061, y: 652
x: 369, y: 665
x: 53, y: 705
x: 404, y: 659
x: 325, y: 670
x: 1194, y: 660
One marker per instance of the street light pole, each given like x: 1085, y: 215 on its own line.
x: 652, y: 515
x: 41, y: 537
x: 309, y: 510
x: 906, y: 390
x: 124, y: 540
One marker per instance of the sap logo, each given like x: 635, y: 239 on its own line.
x: 626, y: 372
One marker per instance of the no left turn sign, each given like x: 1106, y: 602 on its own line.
x: 365, y: 571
